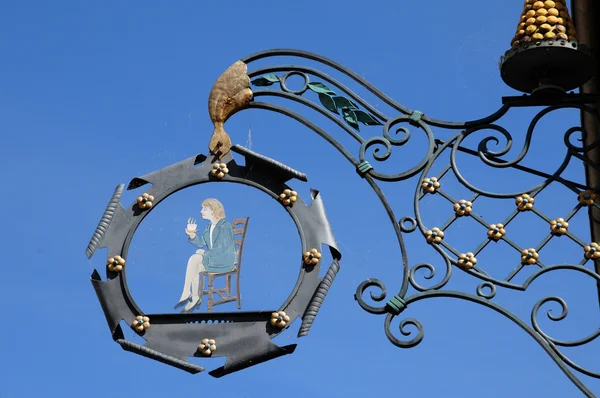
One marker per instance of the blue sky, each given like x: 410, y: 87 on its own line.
x: 94, y: 95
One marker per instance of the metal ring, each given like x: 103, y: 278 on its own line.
x: 177, y: 336
x: 294, y: 73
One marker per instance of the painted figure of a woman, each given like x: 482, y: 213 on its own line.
x: 216, y: 252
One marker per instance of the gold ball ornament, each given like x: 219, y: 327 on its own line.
x: 279, y: 319
x: 538, y: 4
x: 288, y: 197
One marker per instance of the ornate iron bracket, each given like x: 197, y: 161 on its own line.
x: 349, y: 111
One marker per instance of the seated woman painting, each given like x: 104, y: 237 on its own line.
x: 216, y: 252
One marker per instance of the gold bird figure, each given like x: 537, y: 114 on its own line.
x: 230, y: 93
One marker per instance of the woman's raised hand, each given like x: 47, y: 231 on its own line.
x: 191, y: 228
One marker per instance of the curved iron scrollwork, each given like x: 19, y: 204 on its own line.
x: 350, y: 112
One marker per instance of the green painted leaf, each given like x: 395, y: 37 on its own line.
x: 328, y: 102
x: 342, y: 102
x: 366, y: 118
x: 320, y: 88
x: 265, y: 80
x: 350, y: 117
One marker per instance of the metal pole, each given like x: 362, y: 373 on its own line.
x: 586, y: 18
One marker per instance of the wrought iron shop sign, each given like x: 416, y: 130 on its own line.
x: 215, y: 267
x: 545, y: 61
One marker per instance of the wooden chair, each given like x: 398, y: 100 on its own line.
x: 240, y: 225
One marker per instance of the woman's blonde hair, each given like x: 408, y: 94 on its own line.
x: 215, y: 206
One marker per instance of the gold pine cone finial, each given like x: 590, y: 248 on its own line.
x: 544, y: 20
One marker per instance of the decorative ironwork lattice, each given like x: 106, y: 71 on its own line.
x: 349, y: 111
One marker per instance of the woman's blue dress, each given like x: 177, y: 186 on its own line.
x: 220, y: 257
